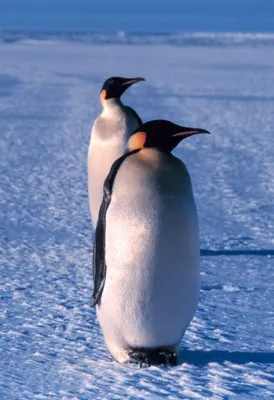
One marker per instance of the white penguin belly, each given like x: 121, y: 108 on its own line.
x: 101, y: 156
x: 108, y: 141
x: 152, y: 255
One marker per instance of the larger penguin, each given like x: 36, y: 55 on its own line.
x: 146, y: 259
x: 109, y: 136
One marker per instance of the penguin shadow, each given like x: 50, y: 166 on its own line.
x: 249, y: 252
x: 202, y: 358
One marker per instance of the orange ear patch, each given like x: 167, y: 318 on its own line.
x: 103, y: 96
x: 137, y: 141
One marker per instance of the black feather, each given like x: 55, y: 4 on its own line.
x: 99, y: 263
x: 140, y: 122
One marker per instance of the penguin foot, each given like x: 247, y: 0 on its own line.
x: 153, y: 356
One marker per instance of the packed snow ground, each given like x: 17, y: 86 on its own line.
x: 51, y: 344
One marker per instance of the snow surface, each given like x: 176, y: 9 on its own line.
x: 51, y: 344
x: 213, y: 39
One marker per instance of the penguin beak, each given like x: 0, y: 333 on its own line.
x: 130, y: 82
x: 185, y: 132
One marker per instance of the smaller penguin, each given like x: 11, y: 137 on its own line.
x: 146, y: 253
x: 109, y: 136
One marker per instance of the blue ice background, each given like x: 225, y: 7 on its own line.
x: 50, y: 343
x: 141, y: 15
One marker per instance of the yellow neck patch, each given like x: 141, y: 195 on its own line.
x: 137, y: 141
x: 103, y: 96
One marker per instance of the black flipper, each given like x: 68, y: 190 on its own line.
x: 140, y: 122
x: 99, y: 264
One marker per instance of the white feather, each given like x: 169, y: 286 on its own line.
x: 152, y: 255
x: 109, y: 135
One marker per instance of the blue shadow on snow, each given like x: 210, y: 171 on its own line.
x: 249, y: 252
x: 201, y: 358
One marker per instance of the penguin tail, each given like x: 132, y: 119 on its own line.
x: 165, y: 356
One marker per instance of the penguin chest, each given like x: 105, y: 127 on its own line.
x: 152, y: 254
x: 108, y: 140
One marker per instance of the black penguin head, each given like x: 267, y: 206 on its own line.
x: 161, y: 134
x: 114, y: 87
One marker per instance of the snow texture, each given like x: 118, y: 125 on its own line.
x: 51, y: 344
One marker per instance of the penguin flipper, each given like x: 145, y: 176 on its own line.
x: 99, y: 256
x: 140, y: 122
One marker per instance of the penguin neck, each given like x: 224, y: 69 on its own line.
x: 153, y: 156
x: 112, y: 105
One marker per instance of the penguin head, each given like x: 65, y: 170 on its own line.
x: 160, y: 134
x: 114, y: 87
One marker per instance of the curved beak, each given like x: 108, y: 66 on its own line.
x: 131, y: 81
x: 185, y: 132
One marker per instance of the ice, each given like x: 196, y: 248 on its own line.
x: 211, y: 39
x: 51, y: 344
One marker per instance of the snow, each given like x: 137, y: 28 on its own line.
x: 212, y: 39
x: 51, y: 344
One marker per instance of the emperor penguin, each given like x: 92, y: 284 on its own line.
x: 109, y: 136
x: 147, y: 253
